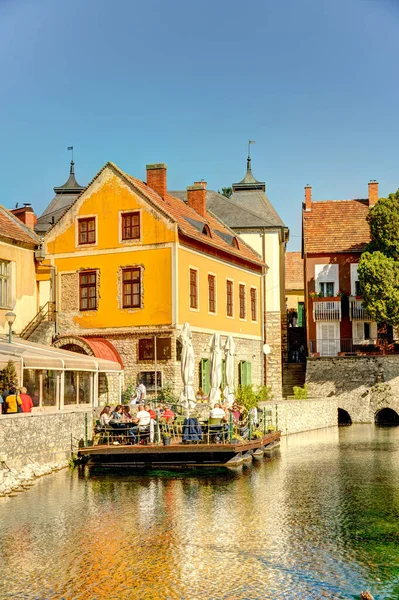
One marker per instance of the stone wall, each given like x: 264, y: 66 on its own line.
x: 360, y: 385
x: 127, y: 346
x: 273, y: 328
x: 295, y: 416
x: 41, y: 437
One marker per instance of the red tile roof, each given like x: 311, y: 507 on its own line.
x: 13, y: 229
x: 336, y: 226
x: 294, y: 278
x: 179, y: 211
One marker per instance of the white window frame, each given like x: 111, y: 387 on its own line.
x: 326, y: 273
x: 6, y: 279
x: 354, y: 278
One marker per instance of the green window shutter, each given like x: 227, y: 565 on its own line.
x: 245, y: 373
x: 301, y: 309
x: 223, y: 374
x: 249, y: 373
x: 205, y: 375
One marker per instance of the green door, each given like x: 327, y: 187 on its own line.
x: 245, y: 372
x: 301, y: 314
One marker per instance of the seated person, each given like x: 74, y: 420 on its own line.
x: 143, y: 417
x: 116, y: 414
x: 217, y: 412
x: 126, y: 416
x: 168, y: 414
x: 105, y: 416
x: 152, y: 412
x: 236, y: 414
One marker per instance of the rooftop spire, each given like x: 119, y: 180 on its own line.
x: 71, y: 185
x: 249, y: 182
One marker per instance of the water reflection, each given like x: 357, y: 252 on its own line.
x: 318, y: 520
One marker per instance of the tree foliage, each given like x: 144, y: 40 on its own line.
x: 8, y: 376
x: 226, y: 191
x: 379, y: 264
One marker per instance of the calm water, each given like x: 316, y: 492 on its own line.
x: 319, y: 520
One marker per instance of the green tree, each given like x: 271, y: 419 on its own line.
x: 379, y: 264
x: 226, y: 191
x: 8, y: 376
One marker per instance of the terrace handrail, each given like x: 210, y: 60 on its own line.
x: 357, y: 312
x: 327, y: 310
x: 46, y: 313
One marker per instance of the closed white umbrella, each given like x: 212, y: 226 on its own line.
x: 216, y: 368
x: 228, y: 391
x: 187, y: 395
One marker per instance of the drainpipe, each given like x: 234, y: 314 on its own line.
x: 54, y: 295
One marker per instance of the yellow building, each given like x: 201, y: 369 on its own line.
x: 18, y: 288
x: 132, y: 264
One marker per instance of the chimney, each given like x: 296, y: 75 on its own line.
x: 308, y: 197
x: 156, y: 178
x: 26, y: 215
x: 196, y: 197
x: 373, y: 192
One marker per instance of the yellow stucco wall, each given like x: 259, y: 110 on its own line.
x: 293, y: 297
x: 106, y: 198
x: 187, y: 259
x: 156, y: 282
x: 23, y: 292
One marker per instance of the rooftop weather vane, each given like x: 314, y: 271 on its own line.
x: 70, y: 148
x: 249, y: 147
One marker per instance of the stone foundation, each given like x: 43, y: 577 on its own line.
x: 41, y: 437
x: 296, y: 416
x: 360, y: 385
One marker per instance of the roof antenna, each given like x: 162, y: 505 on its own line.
x: 249, y: 154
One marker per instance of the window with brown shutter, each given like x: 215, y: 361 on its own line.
x: 131, y: 226
x: 229, y: 298
x: 242, y: 301
x: 88, y: 290
x: 193, y: 288
x: 131, y: 288
x: 87, y: 231
x: 211, y: 293
x: 254, y: 311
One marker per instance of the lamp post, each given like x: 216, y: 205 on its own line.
x: 10, y: 316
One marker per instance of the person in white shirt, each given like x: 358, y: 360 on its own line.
x: 143, y: 417
x: 141, y: 393
x: 217, y: 412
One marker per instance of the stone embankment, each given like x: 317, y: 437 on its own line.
x: 39, y: 443
x: 12, y: 480
x: 296, y: 416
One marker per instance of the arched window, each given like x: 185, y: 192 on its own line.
x: 207, y: 231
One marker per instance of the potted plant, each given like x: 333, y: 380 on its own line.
x: 166, y: 439
x: 270, y: 428
x: 236, y: 439
x: 257, y: 434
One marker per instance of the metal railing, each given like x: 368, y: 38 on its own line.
x: 46, y: 313
x: 343, y: 346
x: 357, y: 312
x: 328, y: 310
x: 162, y: 432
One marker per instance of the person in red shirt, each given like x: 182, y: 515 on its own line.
x: 26, y: 400
x: 168, y: 414
x: 152, y: 412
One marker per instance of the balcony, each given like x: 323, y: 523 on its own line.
x: 356, y: 310
x: 344, y: 347
x: 327, y: 309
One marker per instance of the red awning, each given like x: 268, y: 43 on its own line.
x: 103, y: 349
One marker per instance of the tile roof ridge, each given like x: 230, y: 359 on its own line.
x: 234, y: 234
x: 340, y: 200
x: 244, y: 209
x: 19, y: 224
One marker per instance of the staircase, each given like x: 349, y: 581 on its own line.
x: 293, y: 374
x: 42, y: 327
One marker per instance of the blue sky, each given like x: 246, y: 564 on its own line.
x: 314, y: 82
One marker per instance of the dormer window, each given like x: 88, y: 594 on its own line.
x: 234, y: 243
x: 206, y: 231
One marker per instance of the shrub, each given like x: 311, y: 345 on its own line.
x: 246, y: 397
x: 300, y: 393
x: 264, y: 393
